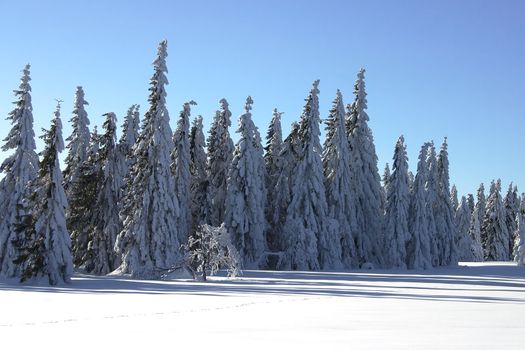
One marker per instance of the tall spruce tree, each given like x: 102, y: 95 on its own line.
x: 148, y: 242
x: 246, y: 196
x: 45, y: 255
x: 311, y: 236
x: 78, y: 140
x: 463, y: 239
x: 396, y: 231
x: 366, y: 179
x: 511, y: 204
x: 220, y: 154
x: 338, y: 181
x: 471, y: 202
x: 432, y: 187
x: 386, y: 179
x: 130, y: 134
x: 481, y: 206
x: 496, y: 242
x: 421, y: 223
x: 199, y: 177
x: 475, y: 237
x: 454, y: 198
x: 181, y: 170
x: 273, y: 161
x: 19, y: 169
x: 519, y: 247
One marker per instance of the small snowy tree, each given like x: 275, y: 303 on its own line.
x: 220, y: 154
x: 148, y: 242
x: 396, y: 231
x: 419, y: 248
x: 511, y: 203
x: 46, y: 254
x: 78, y: 145
x: 338, y: 181
x: 454, y: 198
x: 19, y: 169
x: 199, y: 177
x: 181, y: 170
x: 366, y: 180
x: 386, y: 179
x: 130, y: 134
x: 471, y: 202
x: 209, y: 250
x: 246, y: 196
x: 463, y: 239
x: 494, y: 226
x: 475, y: 237
x: 519, y: 247
x: 312, y: 241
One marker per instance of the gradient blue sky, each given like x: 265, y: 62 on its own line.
x: 434, y: 68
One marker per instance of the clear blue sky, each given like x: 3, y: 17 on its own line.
x: 434, y: 68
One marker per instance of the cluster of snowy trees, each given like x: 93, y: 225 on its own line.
x: 128, y: 205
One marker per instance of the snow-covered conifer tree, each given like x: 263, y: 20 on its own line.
x: 199, y: 177
x: 366, y: 179
x: 220, y: 154
x: 148, y: 242
x: 100, y: 257
x: 519, y: 248
x: 411, y: 179
x: 78, y: 140
x: 432, y: 187
x: 511, y: 204
x: 19, y: 170
x: 419, y: 248
x: 181, y: 170
x: 481, y: 206
x: 130, y: 134
x: 273, y: 161
x: 475, y: 236
x: 396, y: 231
x: 312, y: 241
x: 246, y: 196
x: 463, y: 240
x: 386, y: 179
x: 445, y: 214
x: 495, y: 228
x: 338, y: 181
x: 471, y: 202
x: 46, y: 256
x: 454, y: 198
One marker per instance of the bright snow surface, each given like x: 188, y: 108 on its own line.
x: 477, y: 305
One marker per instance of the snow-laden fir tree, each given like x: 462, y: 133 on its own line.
x: 338, y: 181
x: 511, y: 203
x: 445, y: 213
x: 420, y: 223
x: 476, y: 248
x: 246, y: 196
x: 481, y: 206
x: 471, y: 202
x: 148, y: 242
x: 396, y: 233
x: 100, y: 257
x: 181, y: 170
x: 386, y: 179
x: 432, y: 187
x: 454, y: 198
x: 463, y: 240
x: 83, y: 195
x: 130, y: 134
x: 282, y: 190
x: 19, y: 170
x: 273, y: 161
x: 78, y: 141
x: 519, y: 248
x: 366, y: 179
x: 199, y: 176
x: 220, y: 154
x: 494, y: 227
x: 312, y: 241
x: 411, y: 179
x: 46, y: 255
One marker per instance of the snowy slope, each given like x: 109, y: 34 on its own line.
x: 476, y: 306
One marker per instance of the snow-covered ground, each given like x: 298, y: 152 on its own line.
x: 474, y: 306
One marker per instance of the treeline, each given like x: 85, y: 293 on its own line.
x: 127, y: 206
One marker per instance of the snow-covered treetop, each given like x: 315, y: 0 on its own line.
x: 310, y: 119
x: 56, y: 125
x: 443, y: 166
x: 130, y: 129
x: 360, y: 102
x: 160, y: 61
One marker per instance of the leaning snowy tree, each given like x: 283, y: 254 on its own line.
x: 396, y: 231
x: 78, y: 140
x: 209, y: 250
x: 366, y: 180
x: 180, y: 168
x: 199, y: 176
x: 338, y: 181
x: 220, y: 153
x: 495, y: 228
x: 45, y: 254
x: 464, y: 242
x: 420, y: 223
x: 148, y: 242
x: 19, y: 170
x: 246, y: 195
x: 100, y: 257
x: 311, y: 237
x: 273, y: 161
